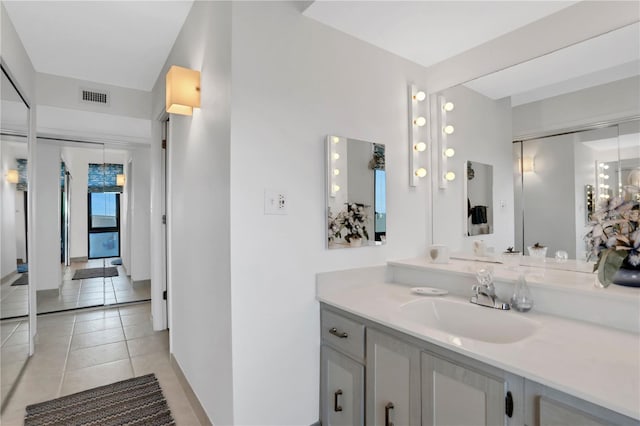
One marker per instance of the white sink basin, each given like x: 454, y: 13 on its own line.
x: 464, y: 319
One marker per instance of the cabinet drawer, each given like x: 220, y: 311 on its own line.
x: 343, y: 334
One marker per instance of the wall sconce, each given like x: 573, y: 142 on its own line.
x: 121, y: 180
x: 13, y: 176
x: 447, y: 129
x: 417, y: 109
x: 182, y: 90
x: 528, y: 165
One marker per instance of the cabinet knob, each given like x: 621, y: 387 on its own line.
x: 335, y: 332
x: 337, y: 408
x: 387, y: 414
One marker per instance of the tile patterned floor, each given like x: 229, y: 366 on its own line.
x: 75, y: 293
x: 78, y: 351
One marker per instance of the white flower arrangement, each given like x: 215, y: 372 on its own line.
x: 349, y: 223
x: 613, y: 235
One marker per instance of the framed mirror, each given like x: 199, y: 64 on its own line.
x: 479, y: 203
x: 356, y: 193
x: 14, y: 285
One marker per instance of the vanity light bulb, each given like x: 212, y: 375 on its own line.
x: 336, y: 172
x: 448, y: 106
x: 335, y: 139
x: 336, y: 156
x: 420, y: 146
x: 606, y: 166
x: 448, y: 129
x: 606, y: 176
x: 335, y: 188
x: 601, y: 175
x: 420, y: 96
x: 449, y: 152
x: 421, y: 172
x: 420, y: 121
x: 601, y: 165
x: 450, y: 176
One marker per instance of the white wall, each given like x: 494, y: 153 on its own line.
x: 295, y: 81
x: 21, y: 235
x: 199, y: 235
x: 47, y: 215
x: 548, y: 194
x: 482, y: 134
x: 611, y: 101
x: 140, y: 215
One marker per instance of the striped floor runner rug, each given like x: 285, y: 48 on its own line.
x: 138, y: 401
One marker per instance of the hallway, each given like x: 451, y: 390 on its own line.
x: 82, y: 350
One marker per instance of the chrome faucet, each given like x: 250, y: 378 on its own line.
x: 485, y: 292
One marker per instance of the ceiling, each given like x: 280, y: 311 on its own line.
x: 428, y: 32
x: 121, y: 43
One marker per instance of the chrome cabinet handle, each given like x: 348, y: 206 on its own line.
x: 337, y: 408
x: 387, y: 414
x: 336, y: 333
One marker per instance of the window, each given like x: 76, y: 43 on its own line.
x: 104, y: 224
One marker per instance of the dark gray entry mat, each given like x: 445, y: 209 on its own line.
x: 84, y: 274
x: 23, y: 280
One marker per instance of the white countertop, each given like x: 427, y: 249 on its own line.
x: 598, y: 364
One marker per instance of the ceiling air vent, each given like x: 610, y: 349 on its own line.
x: 94, y: 96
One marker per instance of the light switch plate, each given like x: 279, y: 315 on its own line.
x: 275, y: 202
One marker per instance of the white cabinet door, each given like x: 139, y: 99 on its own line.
x: 553, y: 413
x: 393, y: 381
x: 455, y: 395
x: 342, y: 389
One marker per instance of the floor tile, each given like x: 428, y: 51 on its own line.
x: 95, y: 355
x: 150, y: 344
x: 89, y: 377
x: 135, y: 309
x: 135, y: 319
x: 97, y: 325
x: 97, y: 314
x: 96, y: 338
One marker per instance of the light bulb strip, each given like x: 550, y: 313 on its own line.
x: 418, y: 144
x: 443, y: 148
x: 333, y: 165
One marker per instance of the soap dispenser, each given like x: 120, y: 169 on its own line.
x: 521, y: 300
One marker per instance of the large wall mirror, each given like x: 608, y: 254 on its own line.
x: 14, y: 287
x: 356, y: 193
x: 569, y: 115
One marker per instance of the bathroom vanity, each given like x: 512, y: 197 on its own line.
x: 390, y: 356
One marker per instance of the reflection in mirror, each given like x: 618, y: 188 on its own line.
x: 570, y: 107
x: 356, y: 193
x: 567, y: 176
x: 14, y: 282
x: 479, y: 189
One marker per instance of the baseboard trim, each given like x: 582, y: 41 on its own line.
x: 318, y: 423
x: 79, y: 259
x: 7, y: 278
x: 191, y: 396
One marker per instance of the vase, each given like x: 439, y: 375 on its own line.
x: 355, y: 242
x: 628, y: 275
